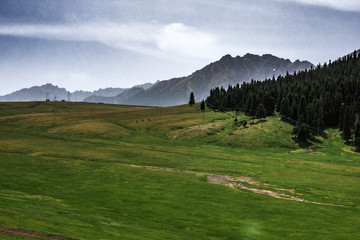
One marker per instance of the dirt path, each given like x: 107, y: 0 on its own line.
x: 238, y: 182
x: 18, y: 232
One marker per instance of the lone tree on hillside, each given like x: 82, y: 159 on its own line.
x: 202, y: 105
x: 261, y: 112
x: 192, y: 99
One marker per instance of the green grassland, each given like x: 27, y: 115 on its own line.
x: 70, y: 169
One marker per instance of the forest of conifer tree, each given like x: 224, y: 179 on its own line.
x: 327, y: 96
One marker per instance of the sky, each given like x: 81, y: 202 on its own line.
x: 92, y: 44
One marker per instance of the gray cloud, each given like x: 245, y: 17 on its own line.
x: 345, y: 5
x: 158, y: 40
x: 100, y: 43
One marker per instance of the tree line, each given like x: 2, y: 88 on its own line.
x: 324, y: 96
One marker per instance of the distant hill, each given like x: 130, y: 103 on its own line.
x: 36, y: 93
x: 106, y: 92
x: 39, y: 93
x: 119, y: 99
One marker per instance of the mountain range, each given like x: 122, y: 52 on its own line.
x: 222, y: 73
x: 51, y: 92
x: 227, y: 71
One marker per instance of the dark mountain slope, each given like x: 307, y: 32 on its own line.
x: 226, y: 71
x: 164, y: 93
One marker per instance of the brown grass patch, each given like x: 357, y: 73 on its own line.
x: 198, y: 131
x: 91, y: 128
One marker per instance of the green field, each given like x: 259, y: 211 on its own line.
x: 77, y: 171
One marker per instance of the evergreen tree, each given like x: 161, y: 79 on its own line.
x: 247, y: 106
x: 285, y: 107
x: 357, y: 133
x: 315, y: 96
x: 316, y: 122
x: 321, y: 118
x: 254, y: 105
x: 228, y: 102
x: 301, y: 111
x: 269, y: 104
x: 192, y: 99
x: 303, y: 133
x: 261, y: 112
x: 346, y: 123
x: 202, y: 105
x: 309, y: 114
x: 294, y: 111
x: 341, y: 118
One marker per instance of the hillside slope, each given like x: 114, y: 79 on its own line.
x: 96, y: 171
x: 323, y: 97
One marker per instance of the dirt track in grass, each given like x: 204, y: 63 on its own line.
x: 238, y: 182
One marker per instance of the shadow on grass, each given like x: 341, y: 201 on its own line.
x: 302, y: 144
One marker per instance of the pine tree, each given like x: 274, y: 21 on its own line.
x: 254, y: 105
x: 192, y: 99
x: 357, y: 133
x: 285, y: 107
x: 301, y: 111
x: 228, y: 102
x: 303, y: 133
x: 321, y: 118
x: 202, y: 105
x: 309, y: 114
x: 261, y: 112
x: 315, y: 96
x: 341, y: 118
x: 346, y: 123
x: 294, y: 110
x: 269, y: 104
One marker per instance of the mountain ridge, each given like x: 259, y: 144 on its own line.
x: 226, y: 71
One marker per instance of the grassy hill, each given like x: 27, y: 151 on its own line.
x: 97, y: 171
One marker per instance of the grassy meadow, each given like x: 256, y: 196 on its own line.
x: 74, y: 170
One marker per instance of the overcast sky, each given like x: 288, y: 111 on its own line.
x: 91, y: 44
